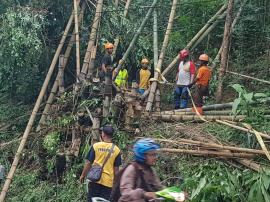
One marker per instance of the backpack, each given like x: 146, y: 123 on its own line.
x: 116, y: 194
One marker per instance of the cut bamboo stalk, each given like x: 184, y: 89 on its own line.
x: 154, y: 84
x: 61, y: 75
x: 107, y: 94
x: 194, y: 39
x: 170, y: 118
x: 76, y: 22
x: 210, y: 145
x: 92, y: 39
x: 242, y: 129
x: 55, y: 85
x: 136, y: 36
x: 207, y: 153
x: 34, y: 112
x: 225, y: 50
x: 155, y: 38
x: 157, y: 100
x: 260, y: 140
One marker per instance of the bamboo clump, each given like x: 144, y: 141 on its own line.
x: 154, y: 84
x: 34, y: 112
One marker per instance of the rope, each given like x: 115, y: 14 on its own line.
x: 249, y: 77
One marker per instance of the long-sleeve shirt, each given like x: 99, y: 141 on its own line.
x: 132, y: 186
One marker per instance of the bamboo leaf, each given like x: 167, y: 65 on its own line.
x: 260, y: 95
x: 266, y: 181
x: 265, y: 194
x: 202, y: 184
x: 248, y: 97
x: 238, y: 88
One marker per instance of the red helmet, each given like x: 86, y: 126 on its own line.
x: 183, y: 54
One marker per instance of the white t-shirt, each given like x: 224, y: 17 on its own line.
x: 184, y: 73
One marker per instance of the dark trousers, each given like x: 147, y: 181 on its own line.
x: 98, y: 190
x: 199, y: 92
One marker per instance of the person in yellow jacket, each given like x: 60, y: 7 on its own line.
x: 143, y: 76
x: 121, y: 80
x: 97, y: 155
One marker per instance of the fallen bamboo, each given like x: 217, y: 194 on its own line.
x: 174, y: 112
x: 154, y: 84
x: 76, y: 27
x: 55, y: 85
x: 242, y: 129
x: 210, y: 145
x: 170, y: 118
x: 260, y: 140
x: 92, y: 39
x: 136, y: 36
x: 195, y: 38
x: 207, y: 153
x: 34, y: 112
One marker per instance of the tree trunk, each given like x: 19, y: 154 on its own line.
x: 76, y: 26
x: 92, y: 39
x: 136, y: 36
x: 217, y: 58
x: 34, y: 112
x: 55, y: 85
x: 210, y: 23
x: 161, y: 57
x: 225, y: 49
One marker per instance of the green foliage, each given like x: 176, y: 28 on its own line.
x: 20, y: 50
x: 245, y: 99
x: 51, y: 142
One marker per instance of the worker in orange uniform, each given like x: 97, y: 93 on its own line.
x: 201, y: 82
x: 143, y: 75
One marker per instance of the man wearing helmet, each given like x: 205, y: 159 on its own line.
x: 143, y: 75
x: 138, y: 182
x: 107, y: 61
x: 201, y: 82
x: 185, y: 75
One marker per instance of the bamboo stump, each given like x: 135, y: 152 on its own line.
x: 61, y: 75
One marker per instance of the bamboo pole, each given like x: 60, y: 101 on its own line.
x: 55, y: 85
x: 77, y: 38
x: 210, y: 145
x: 92, y: 39
x: 195, y: 38
x: 242, y: 129
x: 260, y: 140
x: 248, y: 77
x: 126, y: 8
x: 60, y: 78
x: 155, y: 38
x: 136, y: 36
x: 174, y: 112
x: 170, y: 118
x: 225, y: 49
x: 34, y: 112
x: 207, y: 153
x: 161, y: 57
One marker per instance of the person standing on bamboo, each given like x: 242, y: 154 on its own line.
x: 143, y: 76
x: 185, y: 75
x: 107, y: 61
x: 97, y: 155
x: 201, y: 82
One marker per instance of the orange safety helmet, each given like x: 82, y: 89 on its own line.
x: 183, y: 54
x: 145, y: 61
x: 108, y: 45
x: 204, y: 57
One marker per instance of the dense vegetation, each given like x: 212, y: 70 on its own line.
x: 29, y: 34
